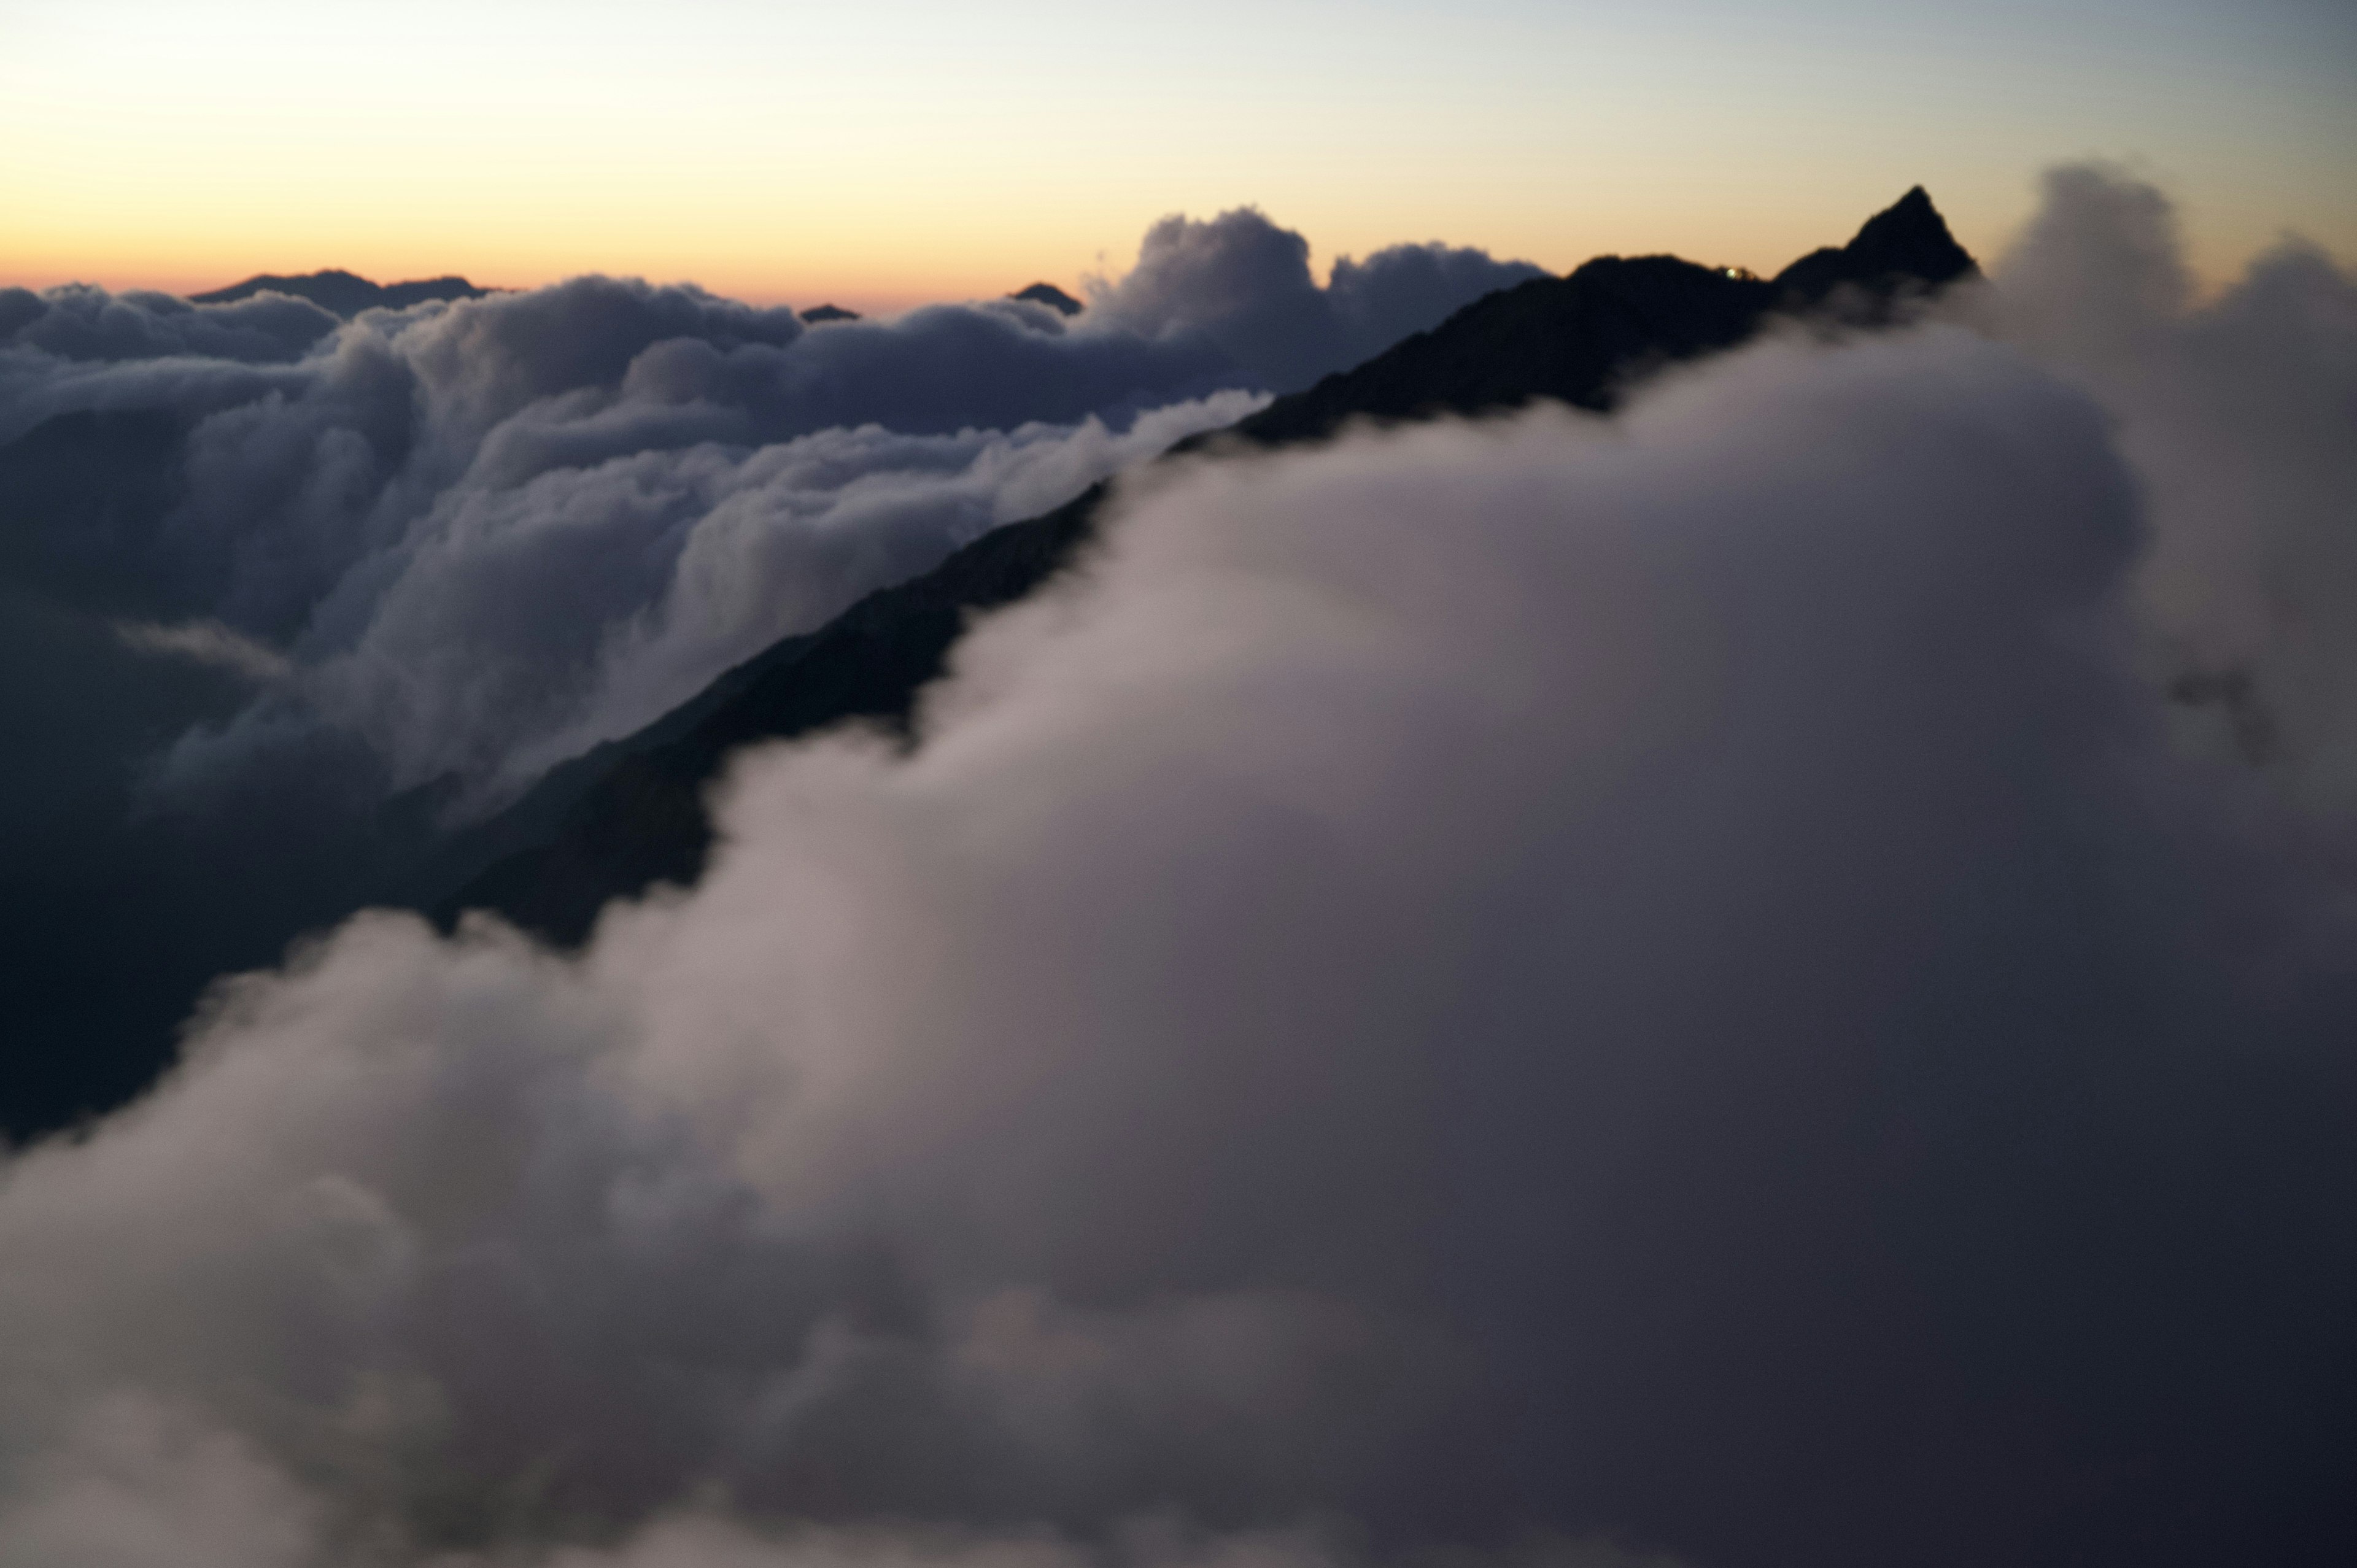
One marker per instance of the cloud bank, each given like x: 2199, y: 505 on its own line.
x: 279, y: 594
x: 1561, y: 989
x: 83, y: 323
x: 486, y: 533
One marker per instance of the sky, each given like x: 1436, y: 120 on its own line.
x: 899, y: 150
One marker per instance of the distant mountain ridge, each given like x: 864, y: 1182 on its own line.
x: 1048, y: 294
x: 1577, y: 338
x: 345, y: 293
x: 630, y: 813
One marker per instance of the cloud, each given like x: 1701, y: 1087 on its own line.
x: 461, y: 524
x: 138, y: 1483
x: 1245, y: 284
x: 78, y: 321
x: 1404, y: 289
x: 1662, y: 980
x: 2233, y: 411
x: 207, y: 642
x: 523, y: 625
x: 458, y: 538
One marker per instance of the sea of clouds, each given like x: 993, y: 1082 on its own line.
x: 482, y: 536
x: 1764, y: 981
x: 273, y: 586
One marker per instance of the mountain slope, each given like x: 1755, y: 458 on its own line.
x: 631, y: 814
x: 641, y: 819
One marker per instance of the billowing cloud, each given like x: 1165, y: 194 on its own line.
x: 487, y: 531
x: 1663, y: 980
x: 262, y: 571
x: 1246, y: 284
x: 524, y: 623
x: 81, y: 322
x: 2237, y: 413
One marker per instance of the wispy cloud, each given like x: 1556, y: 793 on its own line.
x: 208, y: 642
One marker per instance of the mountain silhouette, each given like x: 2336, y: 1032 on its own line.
x: 346, y: 294
x: 818, y: 313
x: 1579, y: 339
x: 1051, y: 297
x: 1901, y: 249
x: 630, y: 813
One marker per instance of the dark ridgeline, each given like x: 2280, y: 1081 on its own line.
x: 1579, y: 339
x: 818, y: 313
x: 630, y: 813
x: 1901, y: 248
x: 1048, y: 294
x: 346, y: 294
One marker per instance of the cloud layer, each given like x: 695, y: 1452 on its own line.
x: 1665, y: 981
x: 83, y: 323
x: 484, y: 533
x: 277, y: 593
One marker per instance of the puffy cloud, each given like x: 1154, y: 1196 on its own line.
x: 1404, y: 289
x: 138, y: 1483
x: 1659, y: 979
x: 525, y: 624
x: 545, y: 461
x: 79, y: 322
x: 2236, y: 412
x: 261, y: 568
x: 1245, y: 284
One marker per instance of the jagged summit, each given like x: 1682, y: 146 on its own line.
x: 1575, y: 338
x: 1051, y: 297
x: 1905, y: 246
x: 345, y: 293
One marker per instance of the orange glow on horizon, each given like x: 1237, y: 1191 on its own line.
x: 906, y: 151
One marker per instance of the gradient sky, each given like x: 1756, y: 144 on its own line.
x: 890, y: 151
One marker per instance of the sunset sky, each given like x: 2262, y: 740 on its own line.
x: 894, y: 151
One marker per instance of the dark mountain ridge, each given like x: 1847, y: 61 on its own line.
x: 1048, y: 294
x: 1901, y: 248
x: 630, y: 813
x: 1580, y: 337
x: 346, y: 294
